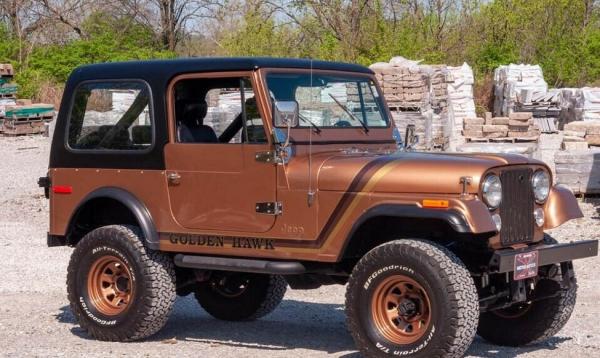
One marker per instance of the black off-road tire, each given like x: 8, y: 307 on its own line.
x: 153, y: 285
x: 262, y: 295
x: 445, y: 279
x: 538, y: 321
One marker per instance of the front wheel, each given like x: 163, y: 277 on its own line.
x: 411, y: 298
x: 534, y: 321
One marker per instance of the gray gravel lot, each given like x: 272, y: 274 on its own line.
x: 35, y: 319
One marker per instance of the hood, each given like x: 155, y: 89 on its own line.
x: 410, y: 172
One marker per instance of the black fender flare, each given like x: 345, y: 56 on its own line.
x: 131, y: 202
x: 452, y: 217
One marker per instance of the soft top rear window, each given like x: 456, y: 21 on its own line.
x: 111, y: 115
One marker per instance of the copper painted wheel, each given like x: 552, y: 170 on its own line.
x: 401, y: 309
x: 109, y: 285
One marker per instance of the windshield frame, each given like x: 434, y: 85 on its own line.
x: 369, y: 78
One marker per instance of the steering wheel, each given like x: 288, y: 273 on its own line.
x: 342, y: 124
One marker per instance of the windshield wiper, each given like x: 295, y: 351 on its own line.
x: 349, y: 113
x: 306, y: 120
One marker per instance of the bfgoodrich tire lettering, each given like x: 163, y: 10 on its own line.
x: 151, y: 284
x: 448, y: 286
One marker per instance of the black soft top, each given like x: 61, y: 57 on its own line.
x: 156, y: 74
x: 166, y: 69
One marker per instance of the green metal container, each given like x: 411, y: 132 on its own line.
x: 30, y: 111
x: 8, y: 88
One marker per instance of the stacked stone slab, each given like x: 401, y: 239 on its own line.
x: 422, y: 125
x: 461, y: 104
x: 404, y: 83
x: 516, y: 84
x: 579, y: 170
x: 7, y: 91
x: 417, y: 94
x: 20, y: 116
x: 581, y: 134
x: 540, y: 104
x: 27, y: 118
x: 516, y: 126
x: 580, y: 104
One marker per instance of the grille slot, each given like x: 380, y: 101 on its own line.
x: 516, y: 209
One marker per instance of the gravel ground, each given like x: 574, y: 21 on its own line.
x: 35, y: 319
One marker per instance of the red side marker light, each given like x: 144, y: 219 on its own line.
x: 62, y: 189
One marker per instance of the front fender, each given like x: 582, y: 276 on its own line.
x: 476, y: 213
x: 560, y: 207
x: 463, y: 215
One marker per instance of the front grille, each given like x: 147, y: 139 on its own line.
x: 516, y: 209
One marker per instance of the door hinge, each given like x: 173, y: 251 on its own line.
x: 269, y: 208
x: 266, y: 157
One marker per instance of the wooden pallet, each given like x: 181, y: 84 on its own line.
x: 405, y: 107
x: 501, y: 140
x: 24, y: 128
x: 43, y: 117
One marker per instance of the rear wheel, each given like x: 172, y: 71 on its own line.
x: 411, y: 298
x: 118, y: 289
x: 240, y: 296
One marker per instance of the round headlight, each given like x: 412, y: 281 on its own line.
x: 541, y: 185
x: 492, y: 191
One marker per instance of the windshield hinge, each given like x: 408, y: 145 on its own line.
x: 269, y: 208
x: 281, y: 155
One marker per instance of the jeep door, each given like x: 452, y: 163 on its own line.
x: 214, y: 179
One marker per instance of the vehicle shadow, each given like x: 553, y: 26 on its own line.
x: 294, y: 324
x: 481, y: 348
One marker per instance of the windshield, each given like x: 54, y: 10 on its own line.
x: 330, y: 100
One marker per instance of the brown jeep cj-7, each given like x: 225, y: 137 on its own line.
x: 233, y: 178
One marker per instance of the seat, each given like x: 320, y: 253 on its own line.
x: 191, y: 127
x: 141, y: 135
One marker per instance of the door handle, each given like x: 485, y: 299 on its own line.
x: 174, y: 178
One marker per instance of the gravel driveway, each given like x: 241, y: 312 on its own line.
x: 35, y: 319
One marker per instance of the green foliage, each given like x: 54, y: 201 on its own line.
x: 107, y: 39
x: 563, y: 36
x: 9, y: 46
x: 259, y: 36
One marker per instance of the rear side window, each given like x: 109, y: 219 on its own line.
x: 112, y: 115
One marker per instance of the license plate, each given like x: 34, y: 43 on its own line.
x: 526, y: 265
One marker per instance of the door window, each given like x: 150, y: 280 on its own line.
x: 217, y: 110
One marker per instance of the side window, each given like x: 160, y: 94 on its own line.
x: 111, y: 116
x: 217, y: 110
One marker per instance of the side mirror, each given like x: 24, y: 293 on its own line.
x: 286, y: 114
x: 410, y: 139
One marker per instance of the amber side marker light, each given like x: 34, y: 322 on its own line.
x: 435, y: 204
x: 62, y: 189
